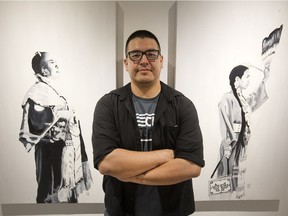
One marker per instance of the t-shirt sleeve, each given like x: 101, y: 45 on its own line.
x: 105, y: 136
x: 189, y: 143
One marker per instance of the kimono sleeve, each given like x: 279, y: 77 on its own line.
x: 35, y: 123
x: 257, y: 98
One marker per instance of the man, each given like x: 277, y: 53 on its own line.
x: 49, y: 124
x: 146, y: 139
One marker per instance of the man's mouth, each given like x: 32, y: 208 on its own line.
x: 144, y: 69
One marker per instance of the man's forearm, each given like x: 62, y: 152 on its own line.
x: 171, y: 172
x: 124, y: 164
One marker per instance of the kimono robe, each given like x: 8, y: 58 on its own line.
x: 62, y: 169
x: 230, y: 127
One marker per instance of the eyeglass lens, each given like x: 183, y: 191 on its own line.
x: 137, y: 55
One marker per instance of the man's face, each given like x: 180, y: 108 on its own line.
x: 143, y: 71
x: 50, y: 66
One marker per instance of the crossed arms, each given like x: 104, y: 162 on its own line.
x: 157, y: 167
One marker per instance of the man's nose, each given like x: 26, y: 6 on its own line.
x: 144, y: 59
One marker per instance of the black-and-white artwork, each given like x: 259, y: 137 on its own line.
x: 235, y: 109
x: 50, y: 126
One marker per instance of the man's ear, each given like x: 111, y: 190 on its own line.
x: 125, y: 61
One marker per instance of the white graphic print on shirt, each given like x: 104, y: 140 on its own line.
x: 145, y: 123
x: 145, y: 113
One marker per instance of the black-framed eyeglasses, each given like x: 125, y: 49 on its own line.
x: 136, y: 55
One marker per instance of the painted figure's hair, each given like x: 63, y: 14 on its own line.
x: 238, y: 71
x: 141, y: 34
x: 37, y: 62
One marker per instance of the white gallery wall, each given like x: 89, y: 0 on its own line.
x: 212, y: 38
x: 81, y: 36
x: 152, y: 16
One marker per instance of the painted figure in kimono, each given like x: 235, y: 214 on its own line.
x: 51, y: 127
x: 234, y: 111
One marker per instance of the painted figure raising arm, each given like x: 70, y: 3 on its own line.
x: 234, y: 111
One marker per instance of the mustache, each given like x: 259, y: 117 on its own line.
x: 144, y: 68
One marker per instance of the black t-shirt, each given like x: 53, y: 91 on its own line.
x: 147, y: 200
x: 176, y: 126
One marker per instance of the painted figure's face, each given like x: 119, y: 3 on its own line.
x: 143, y: 71
x: 244, y: 81
x: 50, y: 67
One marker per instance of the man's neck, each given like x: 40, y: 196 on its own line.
x: 146, y: 90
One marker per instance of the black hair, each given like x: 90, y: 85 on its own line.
x: 141, y: 34
x: 238, y: 71
x: 37, y: 62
